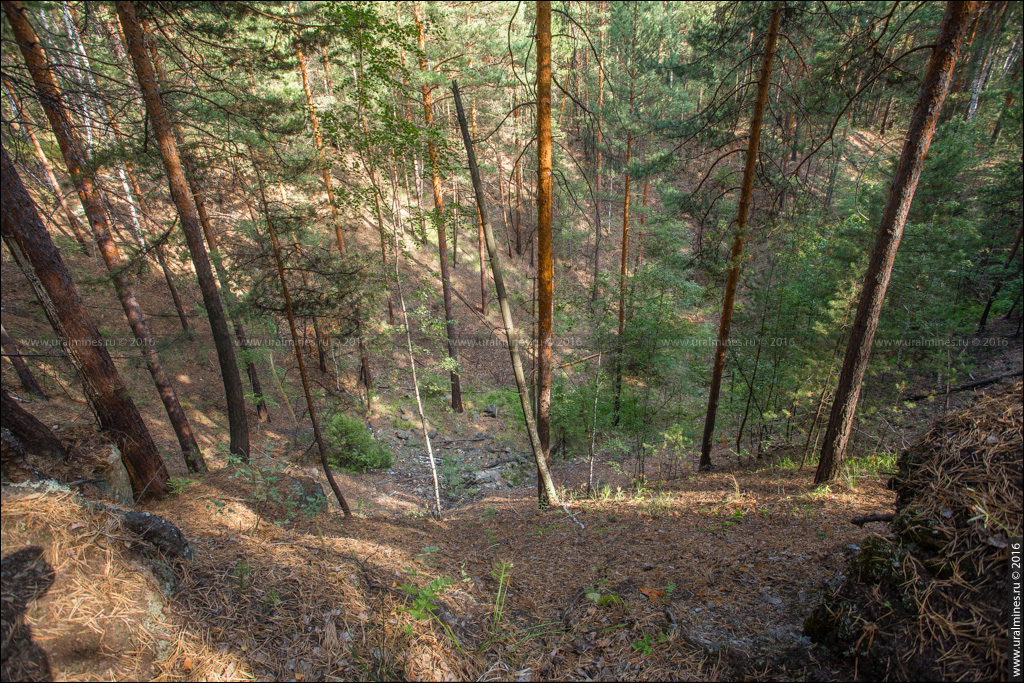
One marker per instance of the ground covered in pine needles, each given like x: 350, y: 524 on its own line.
x: 698, y: 578
x: 928, y: 600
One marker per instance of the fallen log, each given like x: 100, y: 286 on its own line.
x: 861, y: 520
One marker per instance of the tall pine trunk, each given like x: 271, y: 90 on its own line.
x: 31, y: 246
x: 162, y: 131
x: 746, y: 191
x: 442, y: 242
x: 545, y: 265
x: 955, y: 24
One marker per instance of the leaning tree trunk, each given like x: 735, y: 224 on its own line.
x: 73, y: 222
x: 545, y: 267
x: 295, y: 342
x: 135, y: 42
x: 442, y: 242
x: 746, y: 190
x: 30, y: 244
x: 506, y: 310
x: 70, y: 146
x: 28, y: 381
x: 33, y: 436
x: 955, y: 23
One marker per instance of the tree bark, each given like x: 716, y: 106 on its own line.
x: 23, y: 231
x: 135, y: 42
x: 442, y: 242
x: 34, y: 436
x: 545, y: 265
x: 955, y: 24
x: 506, y: 311
x: 736, y: 257
x: 28, y: 381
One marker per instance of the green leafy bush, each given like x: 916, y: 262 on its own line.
x: 351, y: 446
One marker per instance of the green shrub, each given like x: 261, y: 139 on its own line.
x: 351, y: 446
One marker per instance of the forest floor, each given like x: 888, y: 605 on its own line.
x: 695, y: 578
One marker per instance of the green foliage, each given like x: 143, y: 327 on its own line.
x: 423, y: 606
x: 178, y: 485
x: 451, y: 470
x: 502, y: 574
x: 351, y: 446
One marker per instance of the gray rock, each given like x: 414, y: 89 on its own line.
x: 491, y: 411
x: 769, y: 598
x: 491, y: 476
x: 404, y: 436
x: 115, y: 482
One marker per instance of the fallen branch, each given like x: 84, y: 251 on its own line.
x: 861, y: 520
x: 964, y: 387
x: 574, y: 517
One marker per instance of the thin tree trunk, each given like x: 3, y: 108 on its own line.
x: 135, y: 42
x: 757, y: 358
x: 518, y: 174
x: 71, y: 148
x: 746, y: 192
x: 506, y: 311
x: 1008, y: 100
x: 23, y: 231
x: 28, y: 381
x: 371, y: 170
x: 481, y: 247
x: 442, y: 242
x: 999, y: 282
x: 412, y: 357
x: 325, y: 169
x: 955, y: 23
x: 505, y: 207
x: 545, y: 265
x: 73, y: 222
x: 280, y: 389
x: 295, y: 342
x: 885, y: 117
x: 624, y: 256
x: 598, y: 143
